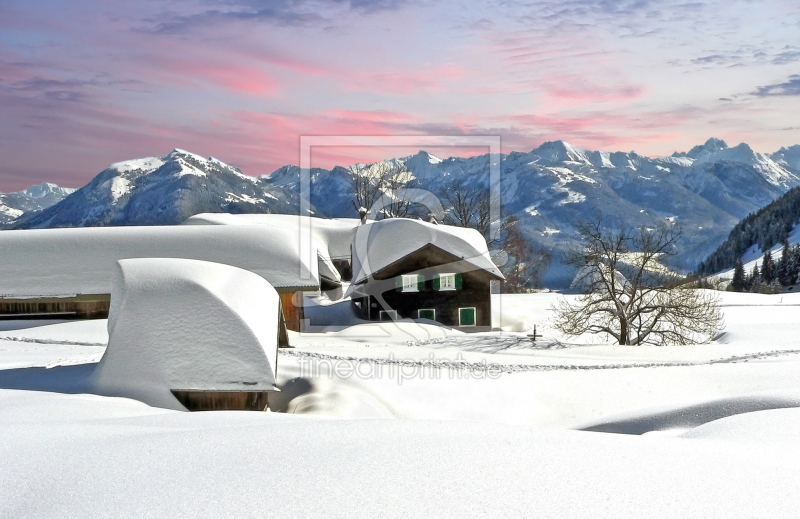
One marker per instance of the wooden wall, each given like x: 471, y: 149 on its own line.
x: 223, y: 400
x: 92, y: 306
x: 475, y: 292
x: 292, y: 303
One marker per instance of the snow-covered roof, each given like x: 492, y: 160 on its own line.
x: 179, y: 324
x: 334, y: 235
x: 63, y: 262
x: 378, y: 244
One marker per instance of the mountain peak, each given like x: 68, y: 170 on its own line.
x: 788, y: 157
x: 560, y: 151
x: 177, y: 152
x: 147, y: 165
x: 712, y: 145
x: 424, y: 157
x: 47, y: 189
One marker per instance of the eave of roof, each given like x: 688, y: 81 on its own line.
x: 377, y: 273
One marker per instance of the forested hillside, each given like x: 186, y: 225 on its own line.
x: 765, y: 228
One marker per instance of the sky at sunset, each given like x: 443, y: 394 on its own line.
x: 87, y: 83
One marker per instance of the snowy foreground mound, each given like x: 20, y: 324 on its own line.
x: 84, y: 456
x: 179, y: 324
x: 701, y: 431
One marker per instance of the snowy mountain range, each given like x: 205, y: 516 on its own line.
x: 162, y: 191
x: 705, y: 191
x: 35, y: 198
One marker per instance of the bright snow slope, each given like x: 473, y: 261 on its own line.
x: 464, y: 445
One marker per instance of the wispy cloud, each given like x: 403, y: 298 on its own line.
x: 747, y: 55
x: 235, y: 77
x: 787, y: 56
x: 278, y: 12
x: 788, y: 88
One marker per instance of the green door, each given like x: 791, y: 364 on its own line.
x: 466, y: 317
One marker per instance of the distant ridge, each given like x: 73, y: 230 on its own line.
x: 35, y: 198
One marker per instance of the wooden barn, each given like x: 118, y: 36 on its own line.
x: 66, y: 273
x: 410, y: 269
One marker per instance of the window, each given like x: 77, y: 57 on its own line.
x: 466, y: 316
x: 426, y: 313
x: 410, y: 283
x: 447, y: 281
x: 388, y: 315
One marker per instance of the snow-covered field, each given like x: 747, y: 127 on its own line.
x: 412, y: 419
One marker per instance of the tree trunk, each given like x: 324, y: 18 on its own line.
x: 623, y: 332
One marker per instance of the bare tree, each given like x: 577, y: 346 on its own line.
x: 365, y: 185
x: 383, y: 183
x: 397, y: 181
x: 525, y: 265
x: 630, y: 294
x: 469, y: 206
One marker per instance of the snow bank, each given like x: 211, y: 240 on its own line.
x: 187, y: 325
x: 773, y: 425
x: 688, y: 417
x: 82, y: 456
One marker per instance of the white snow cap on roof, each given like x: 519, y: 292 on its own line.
x: 333, y: 235
x: 179, y: 324
x: 378, y: 244
x: 63, y: 262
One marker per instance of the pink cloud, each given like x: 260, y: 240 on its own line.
x: 575, y: 88
x: 371, y: 116
x: 13, y: 72
x: 238, y: 78
x: 260, y: 54
x: 403, y: 82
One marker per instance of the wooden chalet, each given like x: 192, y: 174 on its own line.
x: 410, y: 269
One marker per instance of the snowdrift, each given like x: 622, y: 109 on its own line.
x: 185, y: 325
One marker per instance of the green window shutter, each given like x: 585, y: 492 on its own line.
x: 466, y: 317
x: 436, y: 283
x: 398, y: 283
x: 458, y: 281
x: 420, y: 282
